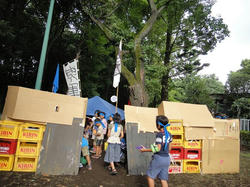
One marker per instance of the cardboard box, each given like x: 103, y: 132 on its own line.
x: 227, y: 128
x: 198, y: 133
x: 145, y: 117
x: 220, y: 156
x: 193, y: 115
x: 40, y: 106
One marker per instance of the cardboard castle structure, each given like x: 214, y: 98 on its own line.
x: 63, y: 115
x: 220, y: 137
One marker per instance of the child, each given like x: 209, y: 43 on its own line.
x: 85, y: 150
x: 115, y: 134
x: 160, y: 162
x: 99, y: 137
x: 96, y: 116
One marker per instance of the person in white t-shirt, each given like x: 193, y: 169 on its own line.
x: 115, y: 134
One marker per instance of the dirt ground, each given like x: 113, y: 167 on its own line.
x: 100, y: 176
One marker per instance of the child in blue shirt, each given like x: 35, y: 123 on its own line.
x: 160, y: 162
x: 85, y: 151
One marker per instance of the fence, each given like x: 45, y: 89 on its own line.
x: 245, y: 124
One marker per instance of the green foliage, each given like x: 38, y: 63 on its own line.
x: 241, y: 107
x: 245, y: 138
x: 190, y: 31
x: 238, y: 91
x: 196, y: 89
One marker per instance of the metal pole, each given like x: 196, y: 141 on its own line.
x: 116, y: 105
x: 44, y: 47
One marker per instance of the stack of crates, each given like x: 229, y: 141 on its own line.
x: 8, y: 141
x: 177, y: 150
x: 28, y: 147
x: 192, y: 156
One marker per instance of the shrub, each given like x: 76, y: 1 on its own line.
x: 245, y: 138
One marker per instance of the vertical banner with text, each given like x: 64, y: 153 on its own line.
x: 71, y: 72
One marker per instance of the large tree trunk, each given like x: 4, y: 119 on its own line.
x: 138, y: 95
x: 165, y: 77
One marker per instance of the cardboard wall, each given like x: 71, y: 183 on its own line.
x: 40, y: 106
x: 61, y: 149
x: 227, y: 128
x: 138, y: 162
x: 143, y: 116
x: 220, y: 156
x: 198, y: 133
x: 193, y: 115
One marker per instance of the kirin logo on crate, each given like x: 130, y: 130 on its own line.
x: 3, y: 165
x: 25, y: 166
x: 6, y: 133
x: 27, y: 150
x: 192, y: 168
x: 30, y: 135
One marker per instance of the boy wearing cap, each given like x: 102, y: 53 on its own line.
x: 99, y: 137
x: 160, y: 161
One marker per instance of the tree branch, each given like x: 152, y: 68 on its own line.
x: 102, y: 26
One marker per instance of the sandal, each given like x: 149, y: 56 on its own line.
x: 109, y: 168
x: 113, y: 172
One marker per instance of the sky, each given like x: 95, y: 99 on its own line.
x: 228, y: 54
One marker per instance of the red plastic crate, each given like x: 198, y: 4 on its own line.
x: 8, y: 146
x: 192, y: 154
x: 176, y: 167
x: 177, y: 153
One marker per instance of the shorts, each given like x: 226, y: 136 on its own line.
x: 99, y: 142
x: 85, y: 151
x: 159, y: 167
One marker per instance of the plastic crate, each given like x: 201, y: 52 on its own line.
x: 25, y: 164
x: 191, y: 166
x: 193, y: 144
x: 176, y: 167
x: 192, y: 154
x: 175, y: 129
x: 31, y: 132
x: 177, y: 153
x: 9, y: 129
x: 8, y: 146
x: 6, y: 162
x: 176, y: 122
x: 28, y: 148
x: 177, y: 140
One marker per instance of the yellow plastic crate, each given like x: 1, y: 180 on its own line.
x: 177, y: 140
x: 31, y: 132
x: 176, y: 122
x: 9, y: 129
x: 25, y: 164
x: 6, y: 162
x: 191, y: 166
x: 28, y: 148
x: 192, y: 144
x: 175, y: 129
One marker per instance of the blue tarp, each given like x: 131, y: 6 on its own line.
x: 97, y: 103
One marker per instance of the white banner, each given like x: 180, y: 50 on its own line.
x: 118, y: 67
x: 72, y: 78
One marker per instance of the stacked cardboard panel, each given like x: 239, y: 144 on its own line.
x: 219, y: 137
x: 54, y: 110
x: 209, y: 145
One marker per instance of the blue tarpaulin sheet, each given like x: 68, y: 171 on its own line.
x: 97, y: 103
